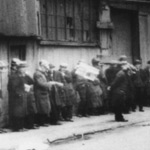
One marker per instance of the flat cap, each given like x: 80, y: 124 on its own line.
x: 51, y: 66
x: 123, y: 58
x: 22, y: 64
x: 63, y: 65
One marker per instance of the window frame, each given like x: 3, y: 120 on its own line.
x: 47, y: 41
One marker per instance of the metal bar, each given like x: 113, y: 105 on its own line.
x: 74, y: 27
x: 82, y: 20
x: 56, y: 31
x: 46, y: 17
x: 65, y: 19
x: 90, y: 25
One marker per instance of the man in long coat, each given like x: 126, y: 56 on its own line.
x: 55, y: 98
x: 69, y: 96
x: 17, y: 97
x: 146, y: 80
x: 118, y: 92
x: 41, y: 91
x: 110, y: 73
x: 138, y: 80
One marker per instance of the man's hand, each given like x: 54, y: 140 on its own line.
x: 56, y: 83
x: 108, y: 88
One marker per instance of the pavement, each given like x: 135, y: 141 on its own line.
x: 44, y: 137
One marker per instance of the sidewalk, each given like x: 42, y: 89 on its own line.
x: 38, y: 138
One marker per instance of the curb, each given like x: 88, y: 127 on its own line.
x: 84, y: 136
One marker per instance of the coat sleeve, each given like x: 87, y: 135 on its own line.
x: 38, y: 78
x: 119, y: 79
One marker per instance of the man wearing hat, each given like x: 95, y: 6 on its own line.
x: 110, y: 73
x: 55, y: 98
x: 18, y: 96
x: 14, y: 63
x: 118, y: 92
x: 112, y: 70
x: 41, y: 90
x: 138, y: 80
x: 67, y: 93
x: 147, y: 83
x: 13, y: 70
x: 96, y: 90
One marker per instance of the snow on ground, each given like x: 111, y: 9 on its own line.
x: 37, y: 139
x: 120, y: 139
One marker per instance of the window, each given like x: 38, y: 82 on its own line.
x: 18, y: 51
x: 69, y: 20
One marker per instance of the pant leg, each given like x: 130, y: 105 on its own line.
x: 54, y: 115
x: 69, y: 111
x: 29, y: 121
x: 17, y: 123
x: 118, y: 114
x: 64, y: 112
x: 139, y: 100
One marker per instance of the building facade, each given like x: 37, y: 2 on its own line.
x: 71, y: 30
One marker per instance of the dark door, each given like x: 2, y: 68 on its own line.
x: 125, y: 36
x: 18, y: 51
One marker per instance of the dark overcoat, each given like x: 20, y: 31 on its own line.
x: 146, y: 81
x: 41, y: 92
x: 17, y: 96
x: 139, y: 78
x: 56, y: 93
x: 119, y: 89
x: 94, y: 94
x: 31, y: 104
x: 70, y: 93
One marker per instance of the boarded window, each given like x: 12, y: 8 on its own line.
x: 69, y: 20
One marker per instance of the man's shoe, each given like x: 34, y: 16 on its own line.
x: 55, y: 123
x: 141, y: 110
x: 69, y: 120
x: 45, y: 125
x: 121, y: 120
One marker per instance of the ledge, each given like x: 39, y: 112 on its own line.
x: 59, y: 43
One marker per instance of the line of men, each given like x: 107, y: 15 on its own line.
x: 53, y: 95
